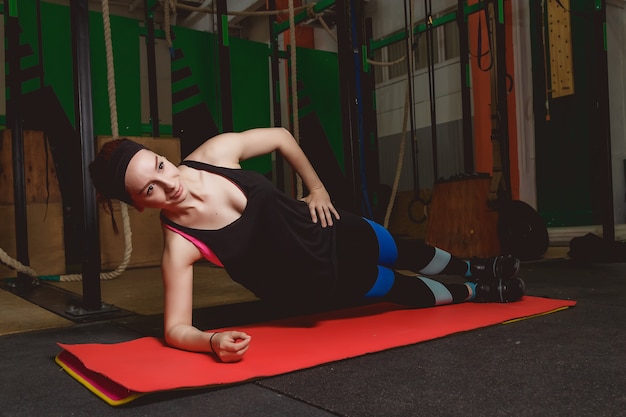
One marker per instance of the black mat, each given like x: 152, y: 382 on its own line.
x: 570, y: 363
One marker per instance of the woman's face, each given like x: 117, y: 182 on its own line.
x: 153, y: 181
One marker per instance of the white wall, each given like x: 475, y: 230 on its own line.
x: 390, y: 99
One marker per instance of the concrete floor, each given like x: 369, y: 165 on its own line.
x: 568, y: 363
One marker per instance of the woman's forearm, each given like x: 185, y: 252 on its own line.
x: 189, y: 338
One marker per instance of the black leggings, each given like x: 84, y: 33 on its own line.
x: 368, y: 258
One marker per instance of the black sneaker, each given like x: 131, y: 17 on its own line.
x: 500, y: 291
x: 486, y: 269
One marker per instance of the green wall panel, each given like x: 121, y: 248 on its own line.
x: 56, y: 40
x: 318, y: 71
x: 199, y: 57
x: 250, y: 79
x: 57, y: 55
x: 125, y: 38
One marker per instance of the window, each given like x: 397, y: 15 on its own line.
x: 396, y: 51
x: 421, y: 51
x: 446, y: 46
x: 451, y: 40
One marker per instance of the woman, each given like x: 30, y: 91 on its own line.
x: 283, y: 250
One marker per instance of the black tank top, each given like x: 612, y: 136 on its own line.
x: 274, y: 249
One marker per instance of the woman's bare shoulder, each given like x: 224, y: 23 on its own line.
x: 220, y: 150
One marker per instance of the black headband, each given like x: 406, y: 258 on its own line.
x: 116, y: 167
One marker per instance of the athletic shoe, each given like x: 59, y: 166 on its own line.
x: 486, y: 269
x: 500, y: 291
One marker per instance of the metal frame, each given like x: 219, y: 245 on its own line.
x: 14, y: 122
x: 79, y: 15
x: 149, y: 6
x: 224, y: 64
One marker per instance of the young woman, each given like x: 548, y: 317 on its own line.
x: 283, y: 250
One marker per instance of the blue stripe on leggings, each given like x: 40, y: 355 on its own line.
x: 383, y: 283
x: 437, y: 264
x: 387, y: 249
x: 441, y: 293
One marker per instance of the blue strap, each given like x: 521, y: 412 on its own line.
x: 383, y: 283
x: 387, y: 249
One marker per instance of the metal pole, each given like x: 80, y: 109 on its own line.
x: 370, y: 129
x: 468, y: 134
x: 14, y: 113
x: 602, y: 121
x: 275, y: 61
x: 224, y: 63
x: 411, y: 103
x: 502, y: 107
x: 369, y: 118
x: 79, y: 15
x: 349, y: 112
x: 152, y: 78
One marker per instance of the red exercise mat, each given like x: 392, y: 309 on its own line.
x: 121, y: 372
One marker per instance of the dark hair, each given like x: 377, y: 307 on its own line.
x: 108, y: 170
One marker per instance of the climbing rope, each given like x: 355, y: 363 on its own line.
x: 128, y: 243
x: 15, y: 264
x: 128, y: 246
x: 405, y: 119
x: 170, y: 7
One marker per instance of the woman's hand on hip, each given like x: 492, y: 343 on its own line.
x: 321, y: 207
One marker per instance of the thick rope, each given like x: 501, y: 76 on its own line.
x: 402, y: 151
x: 169, y: 9
x: 15, y: 264
x: 128, y: 246
x: 108, y: 46
x: 128, y: 243
x: 400, y: 163
x: 405, y: 118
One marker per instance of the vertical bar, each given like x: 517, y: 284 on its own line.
x: 224, y: 64
x: 153, y: 92
x: 430, y: 47
x: 502, y: 107
x: 369, y: 123
x: 14, y: 116
x: 349, y: 114
x: 601, y: 125
x: 468, y: 135
x: 356, y: 21
x: 79, y: 15
x: 280, y: 163
x: 411, y: 104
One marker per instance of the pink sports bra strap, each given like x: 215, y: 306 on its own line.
x: 208, y: 254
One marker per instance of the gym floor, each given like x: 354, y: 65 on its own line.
x: 572, y: 362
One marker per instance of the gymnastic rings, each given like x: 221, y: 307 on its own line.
x: 424, y: 215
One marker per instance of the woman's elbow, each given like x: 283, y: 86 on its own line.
x: 171, y: 336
